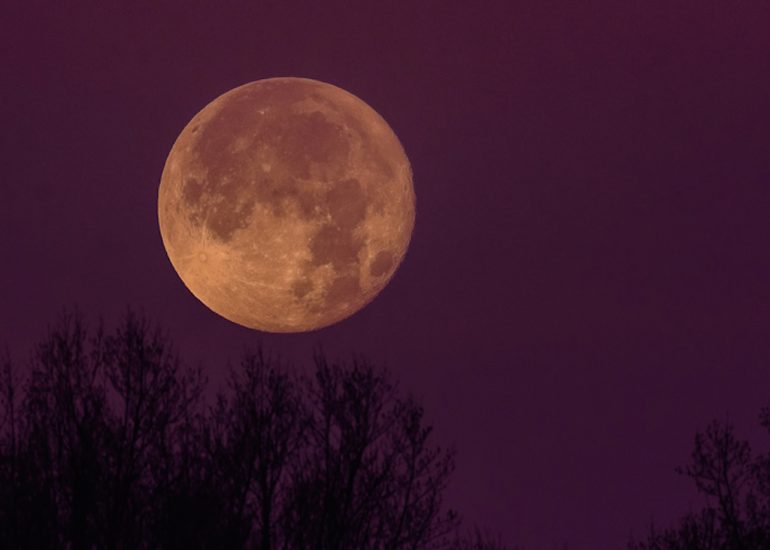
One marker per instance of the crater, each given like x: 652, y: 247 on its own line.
x: 381, y: 263
x: 301, y: 288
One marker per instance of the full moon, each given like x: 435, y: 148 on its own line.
x: 286, y: 204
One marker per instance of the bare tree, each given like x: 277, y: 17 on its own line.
x: 9, y: 453
x: 254, y: 433
x: 737, y: 501
x: 153, y: 399
x: 368, y: 476
x: 95, y: 439
x: 108, y: 445
x: 66, y: 430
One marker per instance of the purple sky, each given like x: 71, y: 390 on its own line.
x: 589, y: 278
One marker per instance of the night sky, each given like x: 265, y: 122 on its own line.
x: 588, y: 282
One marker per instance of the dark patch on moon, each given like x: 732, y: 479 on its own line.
x: 249, y: 121
x: 381, y: 263
x: 224, y: 201
x: 223, y: 214
x: 191, y: 192
x: 347, y: 203
x: 225, y: 218
x: 342, y: 290
x: 335, y: 243
x: 308, y: 204
x: 305, y: 138
x: 236, y: 120
x: 302, y: 287
x: 274, y: 193
x: 372, y: 151
x: 336, y: 246
x: 279, y: 193
x: 225, y: 208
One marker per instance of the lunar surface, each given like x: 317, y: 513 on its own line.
x: 286, y: 204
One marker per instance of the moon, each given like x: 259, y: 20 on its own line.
x: 286, y: 204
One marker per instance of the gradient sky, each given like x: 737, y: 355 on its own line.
x: 589, y: 278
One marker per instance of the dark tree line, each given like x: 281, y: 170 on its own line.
x: 735, y: 483
x: 107, y: 442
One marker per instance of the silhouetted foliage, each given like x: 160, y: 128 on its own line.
x: 736, y: 485
x: 108, y: 443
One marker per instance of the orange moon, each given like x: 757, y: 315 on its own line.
x: 286, y: 204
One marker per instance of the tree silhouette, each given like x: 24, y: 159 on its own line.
x: 252, y: 436
x: 736, y: 487
x: 366, y: 476
x: 108, y: 443
x: 93, y: 446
